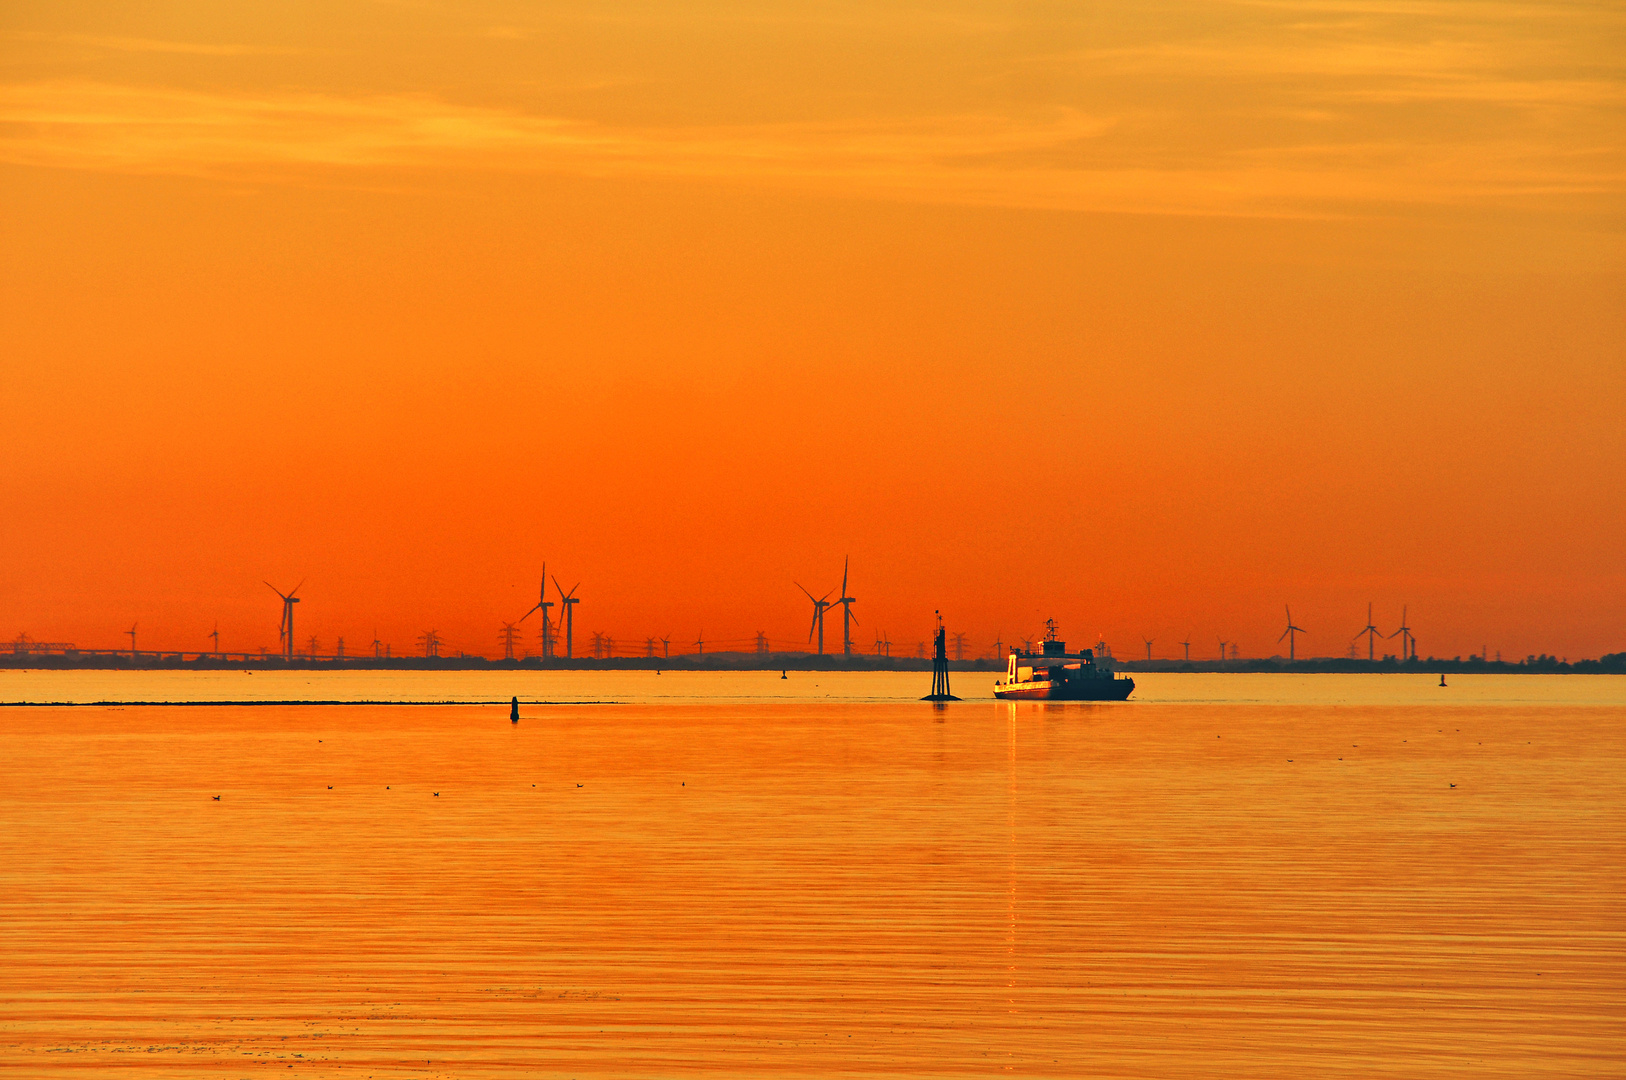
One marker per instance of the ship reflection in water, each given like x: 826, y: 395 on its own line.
x: 1054, y: 674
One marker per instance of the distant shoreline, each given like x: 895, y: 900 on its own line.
x: 1612, y: 664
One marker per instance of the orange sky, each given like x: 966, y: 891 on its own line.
x: 1150, y: 317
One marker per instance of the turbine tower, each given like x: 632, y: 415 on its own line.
x: 285, y: 629
x: 543, y: 604
x: 1370, y: 633
x: 847, y: 617
x: 819, y: 605
x: 215, y: 633
x: 1148, y: 647
x: 567, y: 602
x: 131, y: 632
x: 1408, y: 644
x: 1290, y: 634
x: 1187, y: 645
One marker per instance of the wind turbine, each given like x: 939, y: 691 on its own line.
x: 700, y: 643
x: 1187, y: 644
x: 1371, y: 633
x: 566, y: 604
x: 543, y: 605
x: 1290, y: 634
x: 666, y: 647
x: 819, y: 604
x: 131, y: 632
x: 847, y: 617
x: 215, y: 633
x: 1223, y: 643
x: 285, y: 629
x: 377, y: 645
x: 1148, y: 647
x: 1408, y: 644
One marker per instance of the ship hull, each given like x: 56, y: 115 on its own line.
x: 1067, y: 690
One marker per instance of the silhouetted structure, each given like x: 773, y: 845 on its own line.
x: 847, y: 617
x: 285, y: 629
x: 940, y: 679
x: 1371, y: 633
x: 542, y: 605
x: 1408, y: 644
x: 1290, y: 634
x: 819, y: 606
x: 567, y: 602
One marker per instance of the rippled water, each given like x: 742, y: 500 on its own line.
x: 1263, y: 876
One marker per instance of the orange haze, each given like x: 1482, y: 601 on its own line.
x: 1151, y: 318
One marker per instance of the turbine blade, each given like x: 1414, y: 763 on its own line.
x: 844, y: 564
x: 1279, y: 640
x: 799, y: 585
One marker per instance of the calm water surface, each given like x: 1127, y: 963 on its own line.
x: 736, y: 875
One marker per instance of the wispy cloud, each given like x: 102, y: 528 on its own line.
x: 144, y: 45
x: 1053, y: 158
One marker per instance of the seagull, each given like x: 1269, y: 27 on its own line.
x: 330, y: 787
x: 217, y: 798
x: 437, y: 794
x: 578, y: 785
x: 1453, y: 785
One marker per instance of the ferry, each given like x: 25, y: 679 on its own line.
x: 1054, y: 674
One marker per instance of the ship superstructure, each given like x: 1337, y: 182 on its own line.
x: 1054, y: 674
